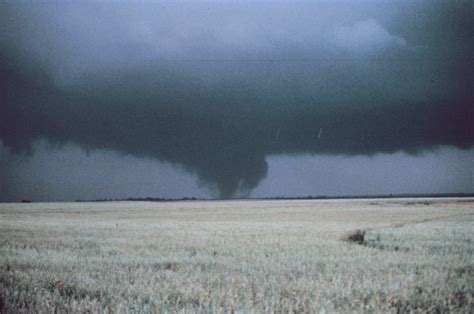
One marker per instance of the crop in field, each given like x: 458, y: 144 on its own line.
x: 248, y: 256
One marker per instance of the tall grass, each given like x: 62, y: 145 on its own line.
x: 261, y: 256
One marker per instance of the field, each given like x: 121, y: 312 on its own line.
x: 392, y: 255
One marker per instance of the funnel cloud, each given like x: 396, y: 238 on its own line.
x: 217, y: 87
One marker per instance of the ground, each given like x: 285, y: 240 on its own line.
x: 391, y: 255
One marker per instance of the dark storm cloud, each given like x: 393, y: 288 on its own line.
x: 217, y: 87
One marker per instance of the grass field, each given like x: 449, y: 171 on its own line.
x: 393, y: 255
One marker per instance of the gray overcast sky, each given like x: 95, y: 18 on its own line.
x: 235, y: 98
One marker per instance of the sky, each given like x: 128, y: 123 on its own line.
x: 223, y: 99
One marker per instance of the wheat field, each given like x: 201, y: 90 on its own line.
x: 371, y: 255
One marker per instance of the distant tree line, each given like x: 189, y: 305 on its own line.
x: 309, y: 197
